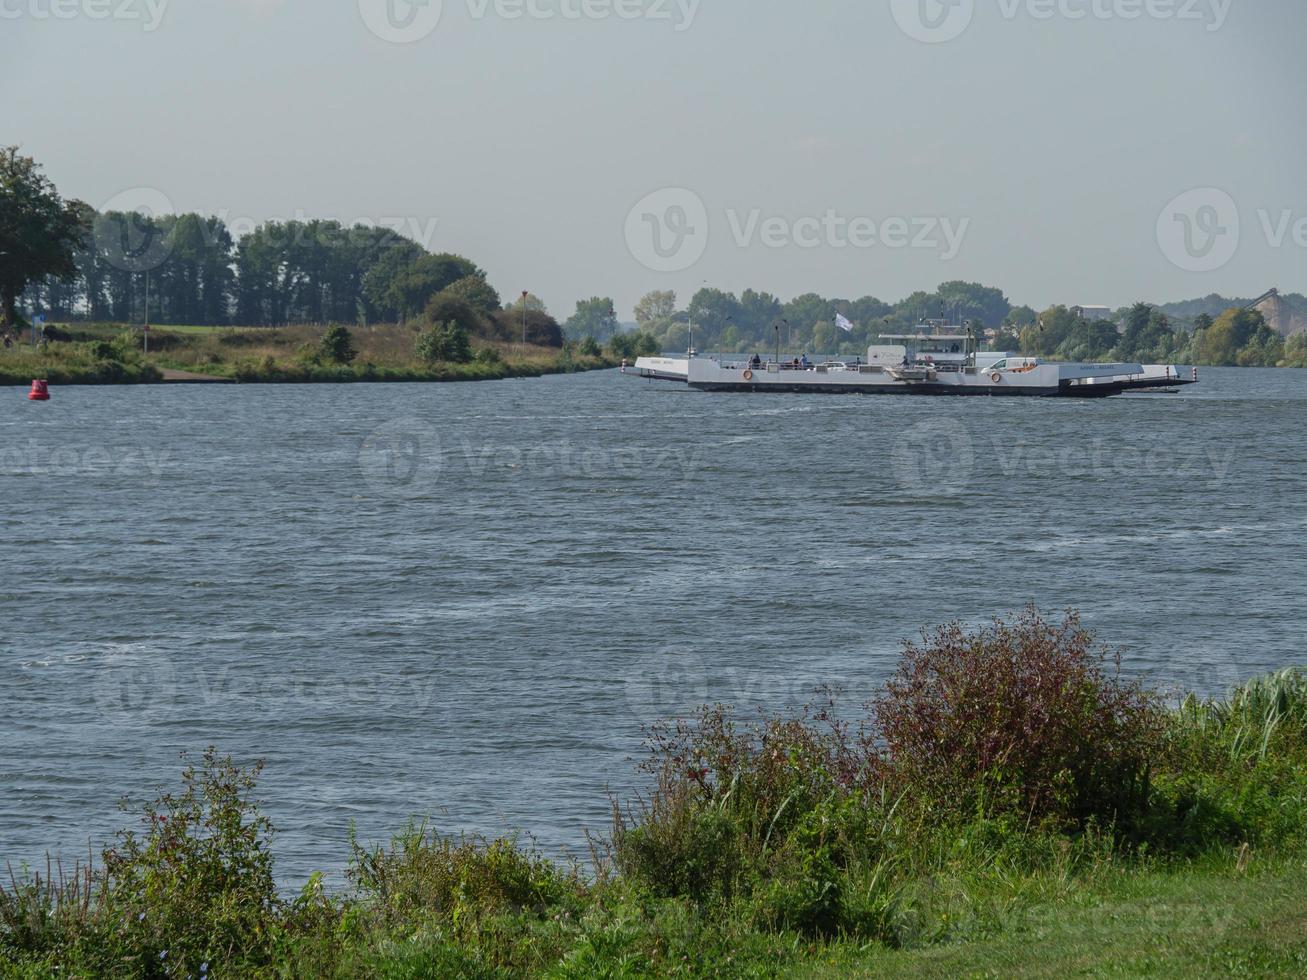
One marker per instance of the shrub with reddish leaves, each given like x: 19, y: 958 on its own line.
x: 1026, y: 717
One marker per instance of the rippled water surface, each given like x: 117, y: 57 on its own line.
x: 463, y: 601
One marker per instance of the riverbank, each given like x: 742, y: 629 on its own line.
x: 1008, y: 804
x: 107, y: 354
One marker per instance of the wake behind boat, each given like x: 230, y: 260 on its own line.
x: 938, y: 359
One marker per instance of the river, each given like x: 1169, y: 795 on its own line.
x: 462, y: 602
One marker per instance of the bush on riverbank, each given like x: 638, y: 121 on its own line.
x: 999, y: 771
x: 111, y: 360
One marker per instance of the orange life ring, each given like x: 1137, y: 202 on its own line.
x: 748, y: 375
x: 996, y: 377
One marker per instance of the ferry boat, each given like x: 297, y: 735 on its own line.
x: 937, y: 359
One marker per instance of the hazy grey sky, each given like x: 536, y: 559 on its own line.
x: 845, y: 148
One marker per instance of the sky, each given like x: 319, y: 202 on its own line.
x: 1092, y: 152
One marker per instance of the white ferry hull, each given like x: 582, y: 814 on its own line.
x: 660, y: 368
x: 1043, y: 381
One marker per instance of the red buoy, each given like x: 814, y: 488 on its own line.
x: 40, y: 391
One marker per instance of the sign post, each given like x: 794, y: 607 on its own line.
x: 37, y: 321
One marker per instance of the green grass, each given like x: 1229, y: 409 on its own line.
x: 113, y: 354
x: 1189, y: 922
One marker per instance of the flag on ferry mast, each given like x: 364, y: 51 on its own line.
x: 843, y: 322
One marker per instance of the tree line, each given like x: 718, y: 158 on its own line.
x: 188, y: 269
x: 756, y: 321
x: 63, y: 259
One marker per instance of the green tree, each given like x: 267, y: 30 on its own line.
x: 1088, y: 341
x: 378, y: 285
x: 337, y: 346
x: 412, y: 288
x: 1050, y: 331
x: 594, y: 317
x: 1234, y: 332
x: 532, y: 302
x: 983, y: 305
x: 590, y: 348
x: 1147, y: 332
x: 712, y: 311
x: 804, y: 313
x: 826, y: 339
x: 40, y: 232
x: 1020, y: 317
x: 631, y: 345
x: 476, y: 292
x: 445, y: 307
x: 444, y: 342
x: 658, y: 305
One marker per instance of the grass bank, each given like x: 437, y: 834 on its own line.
x: 1008, y: 805
x: 111, y: 354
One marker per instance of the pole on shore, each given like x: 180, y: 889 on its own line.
x: 525, y: 294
